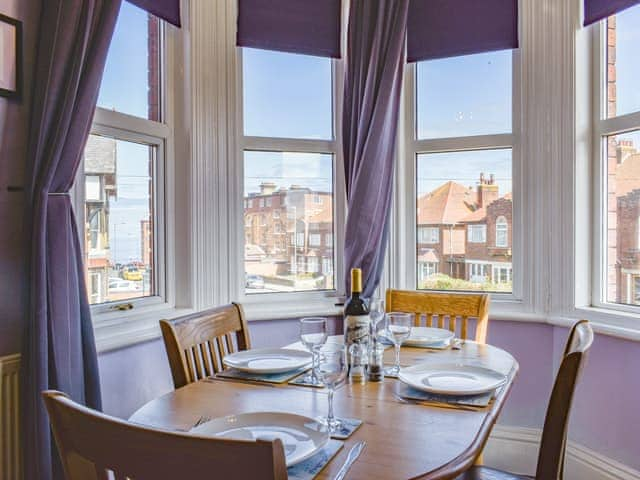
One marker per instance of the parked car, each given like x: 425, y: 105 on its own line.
x: 254, y: 281
x: 132, y: 273
x: 119, y: 285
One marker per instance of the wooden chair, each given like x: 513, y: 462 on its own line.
x: 197, y: 343
x: 93, y: 446
x: 554, y: 435
x: 442, y: 306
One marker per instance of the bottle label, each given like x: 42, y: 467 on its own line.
x: 357, y: 329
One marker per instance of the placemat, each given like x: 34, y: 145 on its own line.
x: 261, y: 377
x: 349, y: 425
x: 301, y: 380
x: 476, y: 401
x: 311, y: 467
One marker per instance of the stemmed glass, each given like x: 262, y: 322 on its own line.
x: 376, y: 313
x: 398, y: 329
x: 332, y: 369
x: 313, y: 333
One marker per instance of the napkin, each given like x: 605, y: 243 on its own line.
x: 309, y: 468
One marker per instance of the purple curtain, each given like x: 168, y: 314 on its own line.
x: 310, y: 27
x: 59, y: 348
x: 448, y: 28
x: 374, y: 65
x: 168, y: 10
x: 596, y: 10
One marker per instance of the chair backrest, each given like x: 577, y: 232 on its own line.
x: 94, y: 446
x: 443, y: 309
x: 554, y: 434
x: 197, y: 343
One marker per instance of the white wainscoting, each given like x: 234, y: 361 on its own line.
x: 515, y: 449
x: 10, y: 465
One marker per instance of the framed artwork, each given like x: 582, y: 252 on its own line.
x: 10, y: 57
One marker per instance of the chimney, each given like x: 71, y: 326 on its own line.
x: 624, y: 150
x: 487, y: 191
x: 267, y: 188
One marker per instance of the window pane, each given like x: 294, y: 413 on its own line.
x: 470, y: 208
x: 119, y: 239
x: 623, y: 68
x: 293, y: 249
x: 463, y: 96
x: 131, y: 81
x: 623, y: 218
x: 286, y: 95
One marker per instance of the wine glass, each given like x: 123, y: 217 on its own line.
x: 376, y: 313
x: 313, y: 333
x: 332, y: 369
x: 398, y: 329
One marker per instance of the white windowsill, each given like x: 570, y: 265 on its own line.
x: 115, y: 330
x: 257, y: 311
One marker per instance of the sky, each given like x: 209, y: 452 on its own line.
x: 289, y: 95
x: 628, y: 61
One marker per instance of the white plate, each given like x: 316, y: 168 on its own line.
x: 268, y: 360
x: 451, y: 379
x: 301, y: 436
x: 425, y: 336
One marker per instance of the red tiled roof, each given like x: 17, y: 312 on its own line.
x: 447, y: 204
x: 481, y: 213
x: 97, y: 262
x: 428, y: 256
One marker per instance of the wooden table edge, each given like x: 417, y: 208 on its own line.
x: 466, y: 459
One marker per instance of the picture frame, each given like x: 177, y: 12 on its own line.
x: 10, y: 57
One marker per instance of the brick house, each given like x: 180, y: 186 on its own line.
x: 465, y: 233
x: 627, y: 219
x: 289, y: 232
x: 100, y: 184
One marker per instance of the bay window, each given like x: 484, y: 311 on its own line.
x: 120, y: 186
x: 289, y: 155
x: 617, y: 147
x: 459, y: 144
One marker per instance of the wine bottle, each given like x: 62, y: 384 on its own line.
x: 357, y: 324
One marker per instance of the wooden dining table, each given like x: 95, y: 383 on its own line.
x: 405, y: 439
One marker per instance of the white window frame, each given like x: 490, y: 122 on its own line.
x: 502, y: 227
x: 315, y: 240
x: 114, y: 327
x: 479, y: 229
x: 282, y: 302
x: 603, y: 127
x: 429, y: 235
x: 402, y: 259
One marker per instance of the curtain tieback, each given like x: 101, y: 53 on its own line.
x: 58, y: 194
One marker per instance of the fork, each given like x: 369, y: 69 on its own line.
x: 201, y: 420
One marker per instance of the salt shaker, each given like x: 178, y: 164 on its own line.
x: 358, y: 368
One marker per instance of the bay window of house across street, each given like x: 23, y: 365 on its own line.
x: 289, y: 155
x: 617, y: 269
x: 120, y: 175
x: 463, y: 164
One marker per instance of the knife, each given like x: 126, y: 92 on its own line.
x: 354, y: 453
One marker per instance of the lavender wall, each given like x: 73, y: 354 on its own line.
x: 13, y: 152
